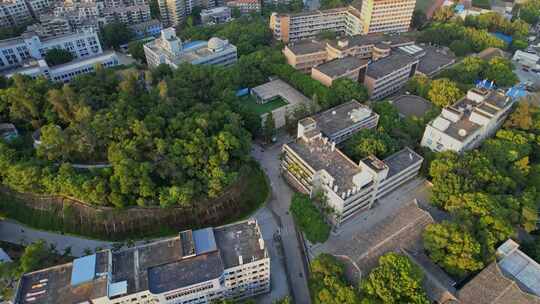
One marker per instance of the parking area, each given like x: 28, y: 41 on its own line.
x: 526, y: 75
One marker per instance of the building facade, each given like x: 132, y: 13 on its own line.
x: 216, y: 15
x: 67, y: 71
x: 146, y: 29
x: 14, y: 12
x: 307, y: 25
x: 467, y: 123
x: 387, y: 16
x: 174, y: 12
x: 350, y: 67
x: 196, y: 267
x: 303, y: 55
x: 388, y: 75
x: 15, y: 51
x: 50, y: 26
x: 245, y: 6
x: 313, y: 163
x: 169, y: 49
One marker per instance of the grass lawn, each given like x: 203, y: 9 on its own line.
x: 260, y: 109
x: 423, y: 5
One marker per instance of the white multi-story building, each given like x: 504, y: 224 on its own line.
x: 467, y: 123
x: 292, y: 27
x: 13, y: 13
x: 67, y: 71
x: 15, y: 52
x: 196, y: 267
x: 313, y: 163
x: 169, y: 49
x: 50, y: 26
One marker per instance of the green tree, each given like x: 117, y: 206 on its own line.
x: 444, y: 92
x: 370, y: 142
x: 345, y: 90
x: 116, y: 34
x: 500, y: 70
x: 57, y: 56
x: 418, y: 85
x: 395, y: 280
x: 269, y: 128
x: 308, y: 218
x: 443, y: 14
x: 452, y: 248
x: 327, y: 283
x: 136, y: 49
x: 419, y: 18
x: 34, y: 256
x: 460, y: 48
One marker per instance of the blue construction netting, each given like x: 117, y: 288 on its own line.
x: 506, y: 38
x: 242, y: 92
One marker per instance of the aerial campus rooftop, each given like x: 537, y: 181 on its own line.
x: 313, y: 162
x: 169, y: 49
x: 465, y: 124
x: 200, y: 265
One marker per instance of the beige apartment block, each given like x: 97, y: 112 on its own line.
x: 387, y: 16
x: 306, y: 25
x: 349, y: 67
x: 305, y: 54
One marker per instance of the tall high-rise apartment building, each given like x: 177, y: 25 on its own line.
x: 375, y: 16
x: 174, y: 12
x: 388, y: 16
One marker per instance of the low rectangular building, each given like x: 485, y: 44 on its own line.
x: 169, y: 49
x: 467, y: 123
x: 216, y: 15
x: 312, y: 163
x: 67, y: 71
x: 197, y: 267
x: 305, y: 54
x: 279, y: 89
x: 349, y: 67
x: 151, y: 28
x: 388, y: 75
x: 14, y: 52
x: 513, y: 278
x: 341, y: 122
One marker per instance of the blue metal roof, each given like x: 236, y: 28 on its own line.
x: 193, y: 44
x: 204, y: 240
x: 117, y: 288
x: 84, y: 270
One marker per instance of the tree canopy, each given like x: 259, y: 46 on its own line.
x: 327, y: 282
x: 395, y: 280
x: 489, y: 191
x: 115, y: 34
x: 309, y: 219
x: 57, y: 56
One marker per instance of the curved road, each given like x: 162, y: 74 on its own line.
x: 279, y: 203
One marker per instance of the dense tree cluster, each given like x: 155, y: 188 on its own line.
x: 370, y: 142
x: 395, y: 280
x: 58, y: 56
x: 461, y: 39
x: 327, y: 282
x: 116, y: 34
x: 528, y: 11
x: 489, y: 192
x: 178, y: 141
x: 494, y: 22
x: 308, y: 218
x: 327, y: 4
x: 471, y: 69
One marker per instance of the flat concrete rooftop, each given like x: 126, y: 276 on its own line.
x: 341, y: 66
x: 339, y: 118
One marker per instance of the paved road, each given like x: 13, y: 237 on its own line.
x: 16, y: 233
x: 279, y: 203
